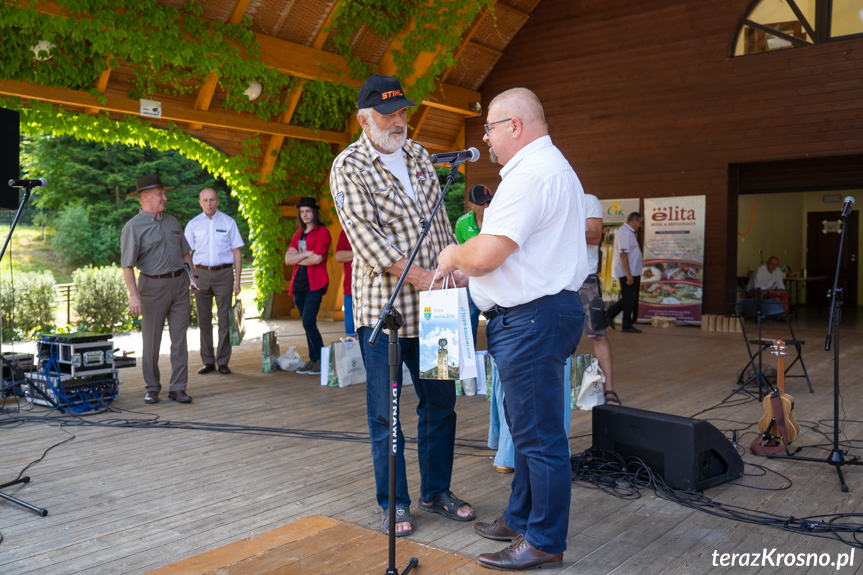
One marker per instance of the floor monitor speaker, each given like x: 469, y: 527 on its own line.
x: 9, y: 166
x: 687, y: 453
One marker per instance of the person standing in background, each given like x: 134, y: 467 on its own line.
x: 468, y: 226
x: 345, y: 255
x: 216, y: 242
x: 309, y: 282
x: 626, y: 267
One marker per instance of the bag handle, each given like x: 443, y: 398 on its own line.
x: 446, y: 280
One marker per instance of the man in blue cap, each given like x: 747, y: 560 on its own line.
x: 385, y: 187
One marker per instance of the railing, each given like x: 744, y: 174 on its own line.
x: 65, y: 292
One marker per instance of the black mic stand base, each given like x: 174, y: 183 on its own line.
x: 38, y: 510
x: 836, y: 459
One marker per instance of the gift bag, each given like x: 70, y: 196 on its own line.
x: 328, y: 367
x: 589, y: 392
x: 350, y: 368
x: 237, y: 324
x: 446, y: 338
x: 270, y: 352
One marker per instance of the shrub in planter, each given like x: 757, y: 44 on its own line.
x: 28, y: 300
x: 101, y: 300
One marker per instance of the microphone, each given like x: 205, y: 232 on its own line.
x: 846, y: 207
x: 41, y: 183
x: 470, y: 155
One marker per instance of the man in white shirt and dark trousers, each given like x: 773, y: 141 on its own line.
x: 626, y: 266
x: 216, y: 242
x: 529, y: 294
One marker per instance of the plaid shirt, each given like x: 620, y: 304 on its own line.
x: 382, y: 223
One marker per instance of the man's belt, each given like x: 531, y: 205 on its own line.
x: 493, y: 312
x: 213, y: 268
x: 163, y: 276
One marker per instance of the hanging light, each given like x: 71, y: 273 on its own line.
x: 253, y: 92
x: 42, y: 50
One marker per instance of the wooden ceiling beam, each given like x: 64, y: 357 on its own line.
x: 170, y: 112
x: 316, y: 64
x: 205, y: 96
x: 238, y: 11
x: 101, y: 85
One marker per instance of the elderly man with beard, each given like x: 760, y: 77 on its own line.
x: 384, y: 187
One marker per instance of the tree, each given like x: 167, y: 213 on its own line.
x: 86, y: 200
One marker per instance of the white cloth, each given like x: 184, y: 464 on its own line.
x: 213, y: 239
x: 626, y: 242
x: 540, y: 206
x: 395, y: 162
x: 763, y: 279
x: 592, y: 209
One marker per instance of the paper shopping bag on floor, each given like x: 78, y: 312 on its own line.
x: 236, y: 323
x: 446, y: 339
x: 350, y: 368
x: 270, y: 352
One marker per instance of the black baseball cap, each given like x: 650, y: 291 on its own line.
x: 479, y: 194
x: 384, y: 94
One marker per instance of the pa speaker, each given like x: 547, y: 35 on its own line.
x: 687, y: 453
x: 9, y: 167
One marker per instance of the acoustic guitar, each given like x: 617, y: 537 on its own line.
x: 777, y: 427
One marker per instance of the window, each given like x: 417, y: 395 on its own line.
x: 774, y: 25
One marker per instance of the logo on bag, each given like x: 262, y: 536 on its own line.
x: 427, y: 312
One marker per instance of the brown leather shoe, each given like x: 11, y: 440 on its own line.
x: 180, y: 396
x: 224, y: 369
x: 208, y: 367
x: 151, y: 397
x: 497, y: 529
x: 520, y: 555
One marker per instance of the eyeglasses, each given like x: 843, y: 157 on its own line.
x: 485, y: 204
x: 486, y: 126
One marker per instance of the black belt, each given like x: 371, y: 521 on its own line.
x: 214, y: 268
x: 163, y: 276
x: 493, y: 312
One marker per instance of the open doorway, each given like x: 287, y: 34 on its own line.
x: 784, y: 209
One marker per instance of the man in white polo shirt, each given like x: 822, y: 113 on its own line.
x: 529, y: 294
x: 216, y: 240
x: 626, y: 267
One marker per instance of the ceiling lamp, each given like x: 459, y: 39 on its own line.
x: 253, y: 92
x: 42, y: 50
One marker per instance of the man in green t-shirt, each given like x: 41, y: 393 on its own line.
x: 469, y: 226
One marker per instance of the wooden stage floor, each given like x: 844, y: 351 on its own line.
x: 144, y: 487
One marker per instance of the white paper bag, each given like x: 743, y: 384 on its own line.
x: 446, y: 338
x: 325, y: 362
x: 349, y: 362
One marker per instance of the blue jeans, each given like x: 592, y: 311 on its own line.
x: 349, y: 316
x: 530, y: 344
x: 435, y: 428
x: 308, y: 303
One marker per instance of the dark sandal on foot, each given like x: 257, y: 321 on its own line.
x: 447, y: 505
x: 610, y: 397
x: 403, y: 515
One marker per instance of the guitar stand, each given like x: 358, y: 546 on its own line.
x: 837, y: 457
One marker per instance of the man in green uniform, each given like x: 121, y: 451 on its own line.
x: 468, y: 226
x: 153, y: 242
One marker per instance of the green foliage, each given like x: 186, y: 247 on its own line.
x: 454, y: 200
x: 80, y: 241
x: 101, y: 298
x: 27, y: 301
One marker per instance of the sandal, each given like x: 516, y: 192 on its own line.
x: 447, y: 505
x: 403, y: 515
x: 611, y: 398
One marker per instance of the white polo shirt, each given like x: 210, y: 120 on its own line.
x: 213, y: 239
x: 625, y: 242
x: 540, y: 206
x: 592, y: 209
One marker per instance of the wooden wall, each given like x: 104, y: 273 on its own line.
x: 645, y: 100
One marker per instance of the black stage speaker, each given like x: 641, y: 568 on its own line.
x: 687, y: 453
x: 9, y: 167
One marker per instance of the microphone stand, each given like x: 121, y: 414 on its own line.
x: 38, y: 510
x: 392, y: 320
x: 837, y: 456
